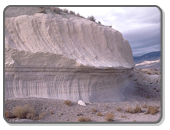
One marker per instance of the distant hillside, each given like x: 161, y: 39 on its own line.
x: 147, y: 57
x: 149, y: 60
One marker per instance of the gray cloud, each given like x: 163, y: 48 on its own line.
x: 139, y: 25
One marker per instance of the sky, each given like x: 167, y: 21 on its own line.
x: 141, y: 26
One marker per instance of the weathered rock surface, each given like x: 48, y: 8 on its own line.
x: 63, y: 56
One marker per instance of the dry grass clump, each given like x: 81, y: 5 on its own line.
x: 119, y: 109
x: 129, y: 110
x: 109, y: 117
x: 137, y: 109
x: 99, y: 114
x: 149, y: 73
x: 144, y: 106
x: 72, y: 12
x: 152, y: 110
x: 6, y: 114
x: 67, y: 102
x: 94, y: 110
x: 24, y: 112
x: 84, y: 119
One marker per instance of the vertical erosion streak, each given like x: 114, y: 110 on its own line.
x: 48, y: 86
x: 84, y: 88
x: 9, y: 84
x: 123, y: 81
x: 70, y: 92
x: 58, y: 85
x: 16, y: 86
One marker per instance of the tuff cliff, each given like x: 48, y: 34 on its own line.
x: 63, y: 56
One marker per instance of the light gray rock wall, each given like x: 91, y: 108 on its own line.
x: 65, y: 57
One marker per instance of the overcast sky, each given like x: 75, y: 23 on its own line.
x: 139, y: 25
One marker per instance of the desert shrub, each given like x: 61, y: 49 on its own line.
x: 23, y: 112
x: 27, y: 112
x: 67, y: 102
x: 6, y: 114
x: 41, y: 115
x: 130, y: 110
x: 65, y: 10
x: 94, y: 110
x: 147, y: 96
x: 99, y: 114
x: 51, y: 112
x: 123, y: 116
x: 157, y: 90
x: 84, y: 119
x: 72, y: 12
x: 57, y: 10
x: 137, y: 109
x: 78, y: 14
x: 109, y: 117
x: 79, y: 114
x: 30, y: 116
x: 42, y: 9
x: 157, y: 107
x: 152, y: 110
x: 119, y: 109
x: 92, y: 18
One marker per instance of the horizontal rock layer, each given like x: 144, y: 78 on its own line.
x: 65, y: 57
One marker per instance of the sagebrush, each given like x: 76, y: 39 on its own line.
x: 137, y: 109
x: 67, y: 102
x: 109, y: 117
x: 152, y: 110
x: 23, y: 112
x: 84, y: 119
x: 99, y: 114
x: 27, y: 112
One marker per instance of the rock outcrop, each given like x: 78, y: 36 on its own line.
x: 64, y: 56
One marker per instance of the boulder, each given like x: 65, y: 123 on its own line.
x: 80, y: 102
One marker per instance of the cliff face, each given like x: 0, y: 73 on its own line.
x: 64, y: 56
